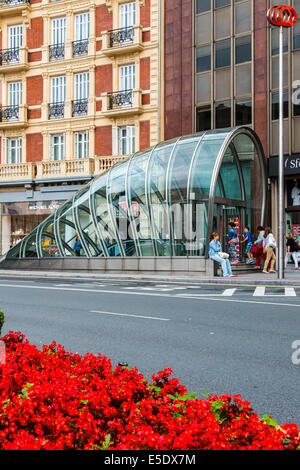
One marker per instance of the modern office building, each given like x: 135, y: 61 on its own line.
x: 221, y: 69
x: 79, y: 91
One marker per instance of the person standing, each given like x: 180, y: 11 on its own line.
x: 269, y: 243
x: 248, y: 241
x: 214, y: 249
x: 77, y: 246
x: 292, y: 249
x: 232, y: 242
x: 259, y: 245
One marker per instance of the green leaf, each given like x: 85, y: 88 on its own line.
x: 270, y: 421
x: 106, y: 442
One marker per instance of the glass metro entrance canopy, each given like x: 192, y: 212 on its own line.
x: 163, y: 201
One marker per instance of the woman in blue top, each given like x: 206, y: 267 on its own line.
x: 214, y: 248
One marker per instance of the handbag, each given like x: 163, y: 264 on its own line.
x: 223, y: 255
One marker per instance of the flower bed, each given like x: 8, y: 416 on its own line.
x: 52, y: 399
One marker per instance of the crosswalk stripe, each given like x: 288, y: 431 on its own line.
x: 290, y: 292
x: 259, y: 292
x: 229, y: 292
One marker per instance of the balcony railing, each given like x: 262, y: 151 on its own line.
x: 57, y: 51
x: 61, y: 168
x: 56, y: 110
x: 9, y: 56
x: 80, y: 107
x: 4, y: 3
x: 120, y: 99
x: 9, y: 113
x: 121, y: 36
x: 17, y: 171
x: 105, y: 163
x: 80, y: 47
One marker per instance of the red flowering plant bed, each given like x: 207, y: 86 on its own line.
x: 52, y: 399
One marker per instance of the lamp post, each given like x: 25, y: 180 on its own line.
x: 281, y: 16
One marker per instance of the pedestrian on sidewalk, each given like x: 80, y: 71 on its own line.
x: 259, y: 246
x: 232, y: 241
x: 77, y: 246
x: 215, y: 253
x: 248, y: 241
x: 269, y: 244
x: 292, y: 249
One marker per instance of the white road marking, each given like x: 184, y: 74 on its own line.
x: 130, y: 315
x: 259, y: 292
x: 229, y: 292
x: 290, y: 292
x: 238, y: 301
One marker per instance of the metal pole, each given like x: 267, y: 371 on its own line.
x: 281, y: 210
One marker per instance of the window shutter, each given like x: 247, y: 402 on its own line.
x: 115, y: 141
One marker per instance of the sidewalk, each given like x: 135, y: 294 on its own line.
x: 292, y: 277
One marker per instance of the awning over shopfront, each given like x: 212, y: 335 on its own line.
x: 162, y: 201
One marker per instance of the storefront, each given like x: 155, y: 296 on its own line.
x: 292, y: 192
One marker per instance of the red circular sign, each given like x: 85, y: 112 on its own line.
x: 282, y: 15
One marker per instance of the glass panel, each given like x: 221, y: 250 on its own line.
x: 203, y: 87
x: 243, y: 79
x: 222, y: 23
x: 29, y: 248
x: 223, y: 84
x: 203, y: 59
x: 203, y: 119
x: 223, y: 58
x: 85, y: 222
x: 137, y: 200
x: 14, y: 252
x: 242, y: 18
x: 243, y: 112
x: 203, y: 5
x: 117, y: 195
x: 223, y: 114
x: 203, y: 28
x: 46, y: 239
x: 252, y: 179
x: 230, y: 177
x: 243, y: 51
x: 66, y: 230
x: 104, y: 225
x: 157, y: 190
x: 177, y: 193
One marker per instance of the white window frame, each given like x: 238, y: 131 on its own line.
x: 10, y: 144
x: 126, y: 77
x: 58, y: 30
x: 81, y: 85
x: 127, y: 16
x: 123, y: 140
x: 57, y: 140
x: 81, y: 144
x: 14, y: 93
x: 15, y: 36
x: 58, y: 89
x: 82, y: 26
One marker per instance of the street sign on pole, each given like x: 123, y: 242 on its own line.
x: 282, y: 16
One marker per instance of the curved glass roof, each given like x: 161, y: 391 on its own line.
x: 163, y: 201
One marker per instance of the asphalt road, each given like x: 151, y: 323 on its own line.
x: 217, y: 339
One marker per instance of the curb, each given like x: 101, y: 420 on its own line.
x: 245, y: 281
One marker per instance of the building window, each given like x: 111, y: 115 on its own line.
x: 81, y: 85
x: 275, y: 105
x: 126, y: 77
x: 58, y: 96
x: 296, y: 36
x: 81, y: 144
x: 82, y: 34
x: 127, y: 15
x: 13, y: 150
x: 203, y: 59
x: 57, y: 48
x: 243, y: 52
x: 222, y: 3
x: 14, y: 93
x: 243, y: 112
x: 123, y: 140
x: 57, y: 147
x: 275, y: 40
x: 223, y: 54
x: 202, y: 6
x: 223, y: 114
x: 15, y: 37
x: 203, y: 119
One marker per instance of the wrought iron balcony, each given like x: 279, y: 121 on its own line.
x: 80, y: 107
x: 121, y: 36
x: 9, y: 56
x: 56, y: 110
x: 120, y: 99
x: 57, y: 51
x: 80, y: 47
x: 4, y: 3
x: 9, y: 113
